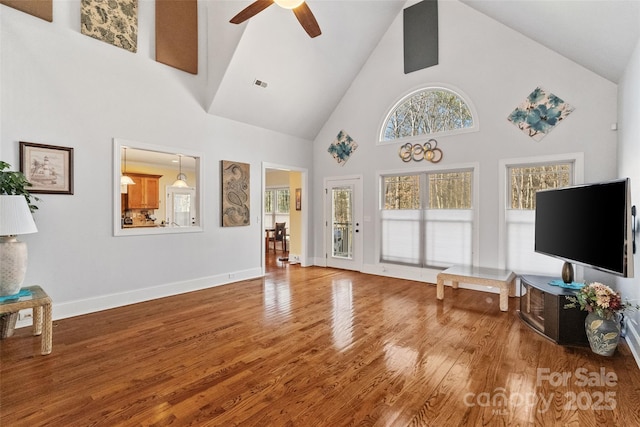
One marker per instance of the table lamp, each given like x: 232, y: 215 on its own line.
x: 15, y: 218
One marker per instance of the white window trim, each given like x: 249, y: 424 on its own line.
x: 504, y: 164
x: 475, y: 234
x: 401, y: 99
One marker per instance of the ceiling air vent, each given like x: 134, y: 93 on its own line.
x: 260, y: 83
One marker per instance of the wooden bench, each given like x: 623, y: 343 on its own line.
x: 505, y: 280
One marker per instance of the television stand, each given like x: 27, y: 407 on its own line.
x: 542, y: 308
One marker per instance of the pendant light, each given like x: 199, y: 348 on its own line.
x: 124, y: 179
x: 181, y: 179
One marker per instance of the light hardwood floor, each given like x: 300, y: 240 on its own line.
x: 312, y: 347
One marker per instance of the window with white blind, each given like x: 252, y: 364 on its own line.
x: 523, y: 180
x: 427, y: 218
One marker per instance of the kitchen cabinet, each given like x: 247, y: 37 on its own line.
x: 145, y: 193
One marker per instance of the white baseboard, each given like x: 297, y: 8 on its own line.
x: 402, y: 272
x: 105, y: 302
x: 427, y: 275
x: 633, y: 340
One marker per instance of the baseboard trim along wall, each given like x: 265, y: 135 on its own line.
x: 633, y: 340
x: 105, y: 302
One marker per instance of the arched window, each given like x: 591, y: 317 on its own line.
x: 428, y: 111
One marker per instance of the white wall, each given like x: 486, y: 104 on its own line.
x: 496, y: 68
x: 60, y: 87
x: 628, y: 161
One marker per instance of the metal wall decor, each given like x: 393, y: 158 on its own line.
x: 428, y: 151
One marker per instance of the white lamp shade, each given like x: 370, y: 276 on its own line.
x: 15, y: 216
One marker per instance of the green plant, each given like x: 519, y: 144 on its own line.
x: 15, y: 183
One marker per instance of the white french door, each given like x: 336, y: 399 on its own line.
x: 343, y: 223
x: 180, y: 207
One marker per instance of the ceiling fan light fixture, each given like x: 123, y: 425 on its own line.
x: 289, y: 4
x: 299, y: 7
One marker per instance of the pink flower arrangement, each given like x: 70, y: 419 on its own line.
x: 600, y: 299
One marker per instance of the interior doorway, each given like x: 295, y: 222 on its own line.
x: 285, y: 199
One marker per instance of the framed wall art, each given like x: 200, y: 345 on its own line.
x: 298, y: 199
x: 540, y: 113
x: 113, y: 21
x: 342, y: 147
x: 48, y: 168
x: 236, y: 186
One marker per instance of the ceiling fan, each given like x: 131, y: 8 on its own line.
x: 299, y: 7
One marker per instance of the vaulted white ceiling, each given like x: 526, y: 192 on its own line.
x: 599, y: 35
x: 306, y: 78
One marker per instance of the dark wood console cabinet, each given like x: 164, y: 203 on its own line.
x: 542, y: 308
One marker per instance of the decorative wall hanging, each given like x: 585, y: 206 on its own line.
x: 112, y: 21
x: 42, y: 9
x: 540, y: 113
x: 298, y: 199
x: 428, y: 151
x: 177, y: 34
x: 235, y: 194
x: 342, y: 148
x: 47, y: 167
x: 420, y: 35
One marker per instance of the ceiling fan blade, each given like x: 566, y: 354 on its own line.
x: 307, y: 20
x: 251, y: 10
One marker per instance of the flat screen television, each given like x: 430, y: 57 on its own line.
x: 589, y: 224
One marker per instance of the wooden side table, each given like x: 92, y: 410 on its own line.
x: 40, y: 303
x: 505, y: 280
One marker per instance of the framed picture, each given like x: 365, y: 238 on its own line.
x: 298, y: 199
x: 47, y: 167
x: 236, y: 200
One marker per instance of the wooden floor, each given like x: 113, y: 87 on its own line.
x: 312, y: 347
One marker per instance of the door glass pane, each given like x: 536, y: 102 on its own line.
x: 182, y: 209
x: 342, y: 222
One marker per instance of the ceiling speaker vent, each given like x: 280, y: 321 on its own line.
x: 260, y: 83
